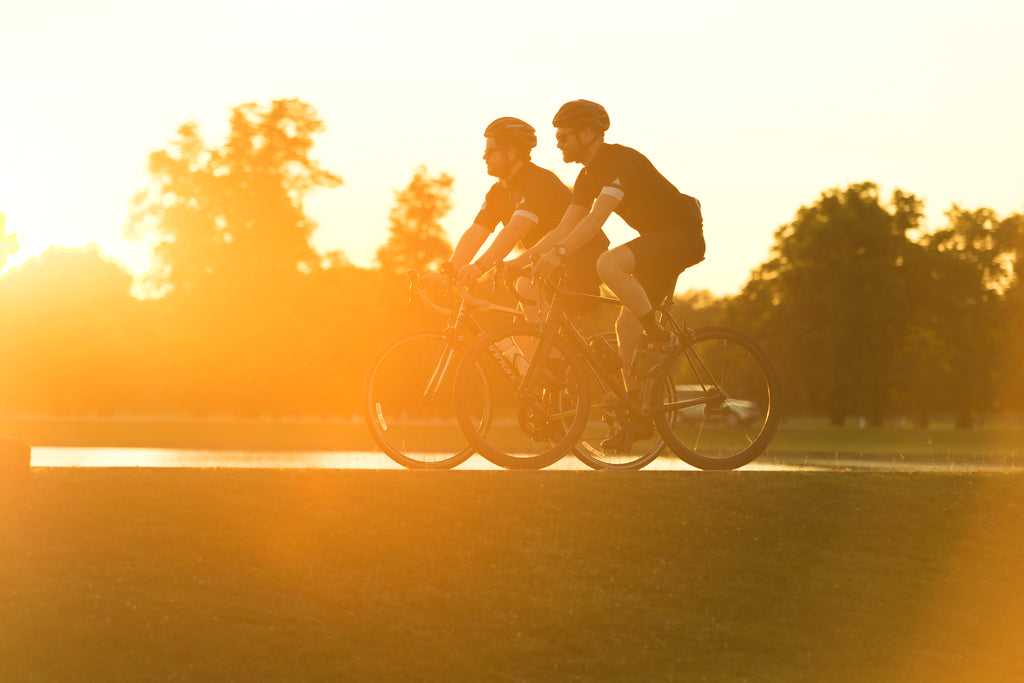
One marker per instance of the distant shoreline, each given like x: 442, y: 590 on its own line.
x: 297, y: 434
x: 800, y: 437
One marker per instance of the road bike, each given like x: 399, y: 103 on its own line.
x: 407, y: 395
x: 715, y: 403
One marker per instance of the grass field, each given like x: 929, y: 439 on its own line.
x: 307, y: 575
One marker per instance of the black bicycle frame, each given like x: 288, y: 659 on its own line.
x: 557, y: 320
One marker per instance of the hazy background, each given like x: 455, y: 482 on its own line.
x: 755, y: 108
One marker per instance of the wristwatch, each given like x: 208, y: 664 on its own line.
x: 561, y: 250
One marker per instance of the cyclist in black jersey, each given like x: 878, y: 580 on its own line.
x: 528, y: 201
x: 643, y: 271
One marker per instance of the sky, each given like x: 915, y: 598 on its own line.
x: 754, y: 108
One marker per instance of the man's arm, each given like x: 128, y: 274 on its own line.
x: 505, y: 241
x: 573, y: 214
x: 589, y: 224
x: 469, y: 244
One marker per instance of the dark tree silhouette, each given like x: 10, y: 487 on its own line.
x: 864, y: 320
x: 829, y: 302
x: 959, y: 299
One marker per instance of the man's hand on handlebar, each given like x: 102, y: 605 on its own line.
x: 439, y: 284
x: 547, y: 263
x: 470, y: 274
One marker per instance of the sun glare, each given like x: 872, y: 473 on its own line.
x: 39, y: 217
x: 133, y: 256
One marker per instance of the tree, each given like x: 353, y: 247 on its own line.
x: 234, y: 215
x: 960, y: 311
x: 829, y: 305
x: 8, y: 243
x: 1010, y: 234
x: 70, y: 330
x: 416, y: 239
x: 863, y: 320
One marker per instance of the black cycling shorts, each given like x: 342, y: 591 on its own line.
x: 661, y: 256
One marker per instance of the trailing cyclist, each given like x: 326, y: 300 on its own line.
x: 642, y: 272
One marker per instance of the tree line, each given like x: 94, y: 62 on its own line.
x: 864, y: 312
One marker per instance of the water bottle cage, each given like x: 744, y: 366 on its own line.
x: 608, y: 357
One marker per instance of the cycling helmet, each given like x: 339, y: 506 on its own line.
x: 512, y: 131
x: 581, y: 114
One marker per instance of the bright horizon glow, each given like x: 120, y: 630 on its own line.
x: 754, y: 109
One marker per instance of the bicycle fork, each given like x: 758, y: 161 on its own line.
x: 430, y: 392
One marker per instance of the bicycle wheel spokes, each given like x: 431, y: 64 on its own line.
x: 409, y: 402
x: 726, y: 398
x: 536, y: 412
x: 603, y: 444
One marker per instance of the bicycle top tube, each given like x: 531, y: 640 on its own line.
x: 553, y: 284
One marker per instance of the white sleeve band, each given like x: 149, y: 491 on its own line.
x: 615, y: 192
x: 532, y: 217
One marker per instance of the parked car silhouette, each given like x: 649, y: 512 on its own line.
x: 731, y: 410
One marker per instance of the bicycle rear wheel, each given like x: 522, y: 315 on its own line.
x: 738, y: 393
x: 409, y: 406
x: 608, y: 414
x: 534, y: 422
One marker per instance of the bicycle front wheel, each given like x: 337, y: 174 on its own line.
x: 409, y: 406
x: 538, y: 412
x: 726, y: 406
x: 602, y: 446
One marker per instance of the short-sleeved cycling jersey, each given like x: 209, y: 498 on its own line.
x: 538, y: 194
x: 648, y: 201
x: 534, y: 192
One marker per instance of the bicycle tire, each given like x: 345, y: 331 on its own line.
x: 734, y: 426
x: 415, y: 429
x: 525, y: 431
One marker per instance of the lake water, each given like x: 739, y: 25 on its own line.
x: 160, y: 457
x: 369, y: 460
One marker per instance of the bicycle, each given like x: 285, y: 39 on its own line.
x: 714, y: 404
x: 407, y: 394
